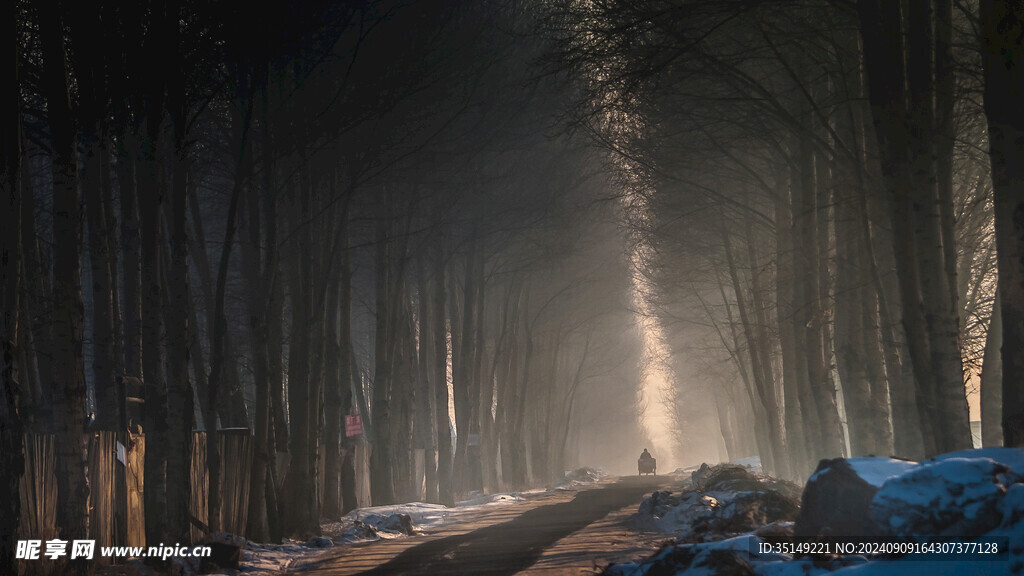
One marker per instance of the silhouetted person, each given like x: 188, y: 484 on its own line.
x: 646, y: 464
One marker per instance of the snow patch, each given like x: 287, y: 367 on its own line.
x: 974, y: 495
x: 876, y: 471
x: 952, y: 497
x: 490, y: 500
x: 751, y: 462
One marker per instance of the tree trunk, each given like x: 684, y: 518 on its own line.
x: 232, y: 413
x: 70, y: 418
x: 763, y: 398
x: 791, y: 371
x: 180, y: 408
x: 992, y: 381
x: 426, y: 417
x: 332, y: 403
x: 131, y: 248
x: 300, y: 491
x: 907, y: 140
x: 439, y: 368
x: 35, y: 379
x: 462, y: 367
x: 12, y: 456
x: 94, y: 180
x: 258, y: 279
x: 381, y: 473
x: 851, y: 354
x: 1002, y: 55
x: 780, y: 451
x: 346, y: 370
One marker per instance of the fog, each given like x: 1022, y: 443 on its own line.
x: 515, y: 238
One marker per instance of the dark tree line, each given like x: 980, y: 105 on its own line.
x: 272, y: 219
x: 221, y: 207
x: 806, y: 179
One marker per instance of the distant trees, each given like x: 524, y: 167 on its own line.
x: 772, y: 201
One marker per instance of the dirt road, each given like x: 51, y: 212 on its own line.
x: 567, y: 537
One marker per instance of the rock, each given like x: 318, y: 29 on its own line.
x: 732, y: 557
x: 584, y: 474
x: 664, y: 511
x: 1013, y: 506
x: 698, y: 476
x: 728, y: 478
x: 776, y: 532
x: 225, y: 552
x: 953, y: 497
x: 360, y: 531
x: 746, y: 512
x: 836, y: 502
x: 320, y: 542
x: 401, y: 523
x: 657, y: 503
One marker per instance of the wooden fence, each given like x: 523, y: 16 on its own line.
x: 235, y: 472
x: 116, y: 481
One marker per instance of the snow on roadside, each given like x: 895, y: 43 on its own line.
x: 876, y: 471
x: 580, y: 477
x: 725, y: 500
x: 388, y: 522
x: 970, y: 495
x: 491, y: 500
x: 261, y: 559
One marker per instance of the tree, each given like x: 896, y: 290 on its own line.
x: 12, y: 458
x: 70, y: 419
x: 1002, y: 25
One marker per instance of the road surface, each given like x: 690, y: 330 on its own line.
x: 558, y: 535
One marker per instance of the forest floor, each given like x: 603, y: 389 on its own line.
x: 555, y: 533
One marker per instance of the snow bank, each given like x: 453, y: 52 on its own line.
x: 423, y: 515
x: 952, y: 497
x: 490, y: 500
x: 970, y: 496
x: 727, y: 500
x: 752, y: 463
x: 583, y: 475
x: 259, y: 559
x: 664, y: 512
x: 1011, y: 457
x: 730, y: 556
x: 876, y: 471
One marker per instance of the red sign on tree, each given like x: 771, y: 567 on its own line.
x: 353, y: 425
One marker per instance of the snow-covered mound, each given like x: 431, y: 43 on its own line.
x: 1011, y: 457
x: 753, y: 463
x: 955, y: 497
x: 837, y: 497
x: 666, y: 512
x: 421, y: 514
x: 739, y: 555
x: 580, y: 476
x: 974, y: 496
x: 684, y: 471
x: 875, y: 471
x: 727, y: 500
x: 584, y: 474
x: 489, y: 500
x: 377, y: 527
